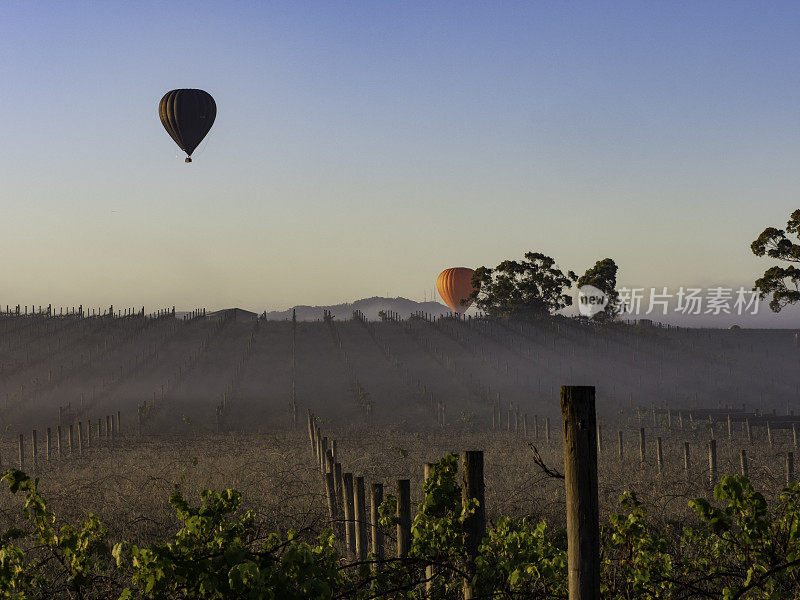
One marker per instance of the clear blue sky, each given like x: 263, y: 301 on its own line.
x: 361, y: 147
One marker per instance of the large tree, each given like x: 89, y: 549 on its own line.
x: 526, y: 288
x: 783, y: 282
x: 603, y: 276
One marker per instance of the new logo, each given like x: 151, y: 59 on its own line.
x: 591, y: 300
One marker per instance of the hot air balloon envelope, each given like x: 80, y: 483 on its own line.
x: 187, y: 115
x: 455, y: 286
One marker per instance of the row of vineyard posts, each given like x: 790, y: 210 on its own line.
x: 71, y: 440
x: 345, y: 493
x: 347, y: 507
x: 683, y: 426
x: 678, y: 425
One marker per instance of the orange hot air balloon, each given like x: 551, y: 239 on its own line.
x: 455, y: 285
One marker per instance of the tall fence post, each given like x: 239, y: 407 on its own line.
x: 361, y: 520
x: 403, y: 517
x: 659, y: 455
x: 642, y: 456
x: 580, y: 477
x: 686, y: 463
x: 338, y: 484
x: 376, y: 499
x: 474, y: 524
x: 349, y: 517
x: 712, y: 462
x: 330, y: 494
x: 428, y: 568
x: 310, y: 423
x: 34, y: 450
x: 599, y: 439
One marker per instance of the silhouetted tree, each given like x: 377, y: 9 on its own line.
x: 528, y: 288
x: 603, y: 276
x: 782, y: 282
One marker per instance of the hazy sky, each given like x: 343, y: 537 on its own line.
x: 360, y: 148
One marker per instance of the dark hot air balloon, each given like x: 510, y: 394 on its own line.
x: 455, y: 286
x: 187, y: 115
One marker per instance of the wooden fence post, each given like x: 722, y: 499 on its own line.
x: 429, y: 568
x: 58, y: 432
x: 599, y: 439
x: 349, y: 509
x: 475, y: 524
x: 403, y: 517
x: 743, y: 462
x: 659, y: 455
x: 329, y: 465
x: 621, y: 447
x: 580, y: 477
x: 34, y: 449
x: 712, y: 462
x: 323, y: 453
x: 686, y: 460
x: 642, y: 456
x: 310, y: 424
x: 330, y: 494
x: 361, y: 520
x: 338, y: 486
x: 21, y: 452
x: 376, y: 499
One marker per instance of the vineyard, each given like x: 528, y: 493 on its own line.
x: 356, y: 443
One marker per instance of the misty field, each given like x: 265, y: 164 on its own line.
x: 139, y: 407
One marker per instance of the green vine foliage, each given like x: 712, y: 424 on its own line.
x: 732, y: 547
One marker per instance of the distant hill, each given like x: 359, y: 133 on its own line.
x: 368, y: 306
